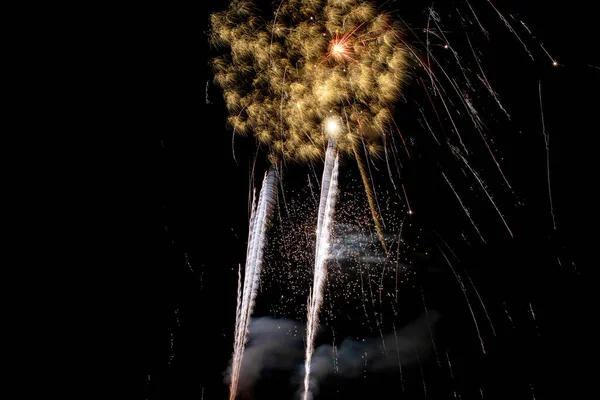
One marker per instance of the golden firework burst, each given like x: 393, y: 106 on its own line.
x: 285, y: 79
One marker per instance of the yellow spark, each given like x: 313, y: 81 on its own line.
x: 332, y: 126
x: 281, y: 78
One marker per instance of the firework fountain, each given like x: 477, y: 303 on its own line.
x: 318, y: 80
x: 259, y: 224
x: 324, y: 223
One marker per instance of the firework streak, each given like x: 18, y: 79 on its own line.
x: 259, y: 224
x: 324, y: 222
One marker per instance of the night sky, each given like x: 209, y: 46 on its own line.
x: 536, y: 319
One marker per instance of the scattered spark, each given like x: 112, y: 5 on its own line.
x: 299, y: 83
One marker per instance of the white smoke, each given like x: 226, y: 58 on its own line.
x: 278, y: 345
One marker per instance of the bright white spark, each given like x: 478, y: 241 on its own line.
x: 259, y: 223
x: 324, y: 222
x: 332, y: 126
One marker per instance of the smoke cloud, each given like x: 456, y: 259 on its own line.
x: 375, y: 354
x: 278, y: 345
x: 273, y: 344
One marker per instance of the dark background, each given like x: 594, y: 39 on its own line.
x: 191, y: 202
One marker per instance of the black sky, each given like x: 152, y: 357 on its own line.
x: 195, y: 207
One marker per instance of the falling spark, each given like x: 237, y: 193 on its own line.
x: 400, y: 241
x: 364, y: 299
x: 429, y: 328
x: 462, y: 287
x: 511, y: 29
x: 428, y: 126
x: 531, y: 311
x: 487, y: 35
x: 554, y: 62
x: 534, y: 321
x: 410, y: 211
x: 509, y: 317
x: 421, y: 370
x: 171, y: 340
x: 463, y: 207
x: 492, y: 92
x: 398, y: 355
x: 187, y: 262
x: 451, y: 373
x: 482, y: 304
x: 456, y: 151
x: 335, y: 354
x: 313, y: 69
x: 547, y: 142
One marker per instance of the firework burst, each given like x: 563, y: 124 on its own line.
x: 480, y: 198
x: 283, y: 79
x: 320, y: 72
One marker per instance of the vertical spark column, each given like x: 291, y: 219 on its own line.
x: 260, y: 221
x: 324, y: 222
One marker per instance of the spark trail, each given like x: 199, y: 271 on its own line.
x: 547, y: 142
x: 324, y: 222
x: 260, y: 220
x: 463, y: 207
